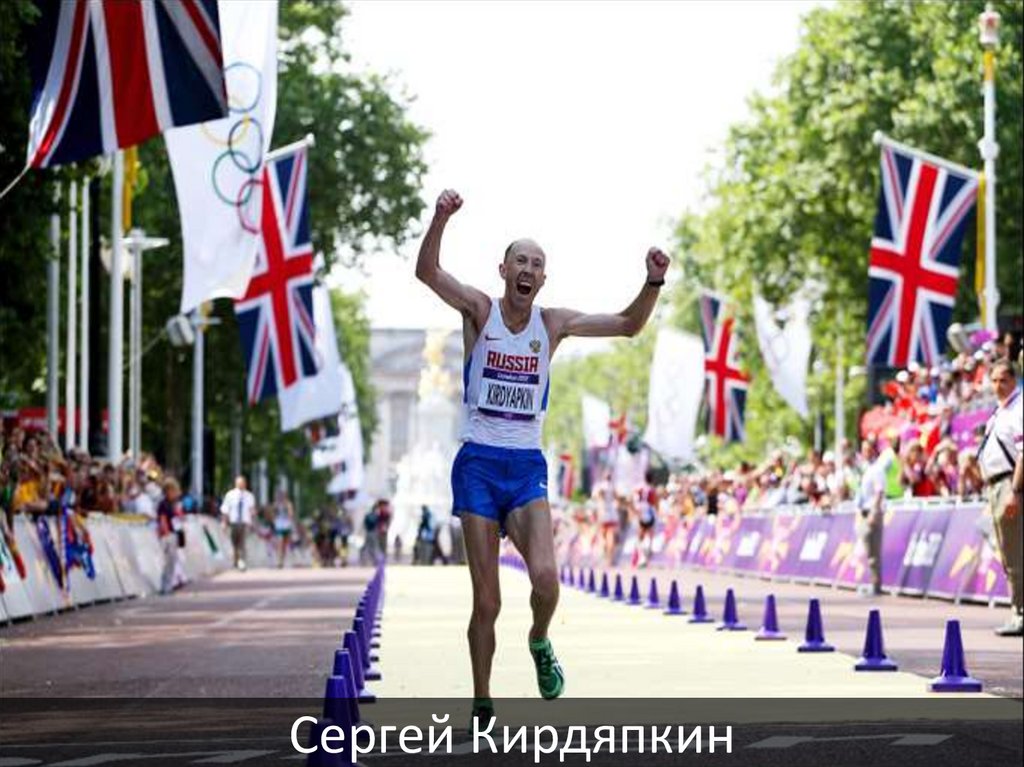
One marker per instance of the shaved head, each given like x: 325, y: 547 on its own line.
x: 525, y: 246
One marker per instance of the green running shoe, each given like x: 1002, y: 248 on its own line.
x: 550, y: 677
x: 483, y: 713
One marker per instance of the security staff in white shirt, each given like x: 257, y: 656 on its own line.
x: 237, y: 508
x: 871, y: 504
x: 1000, y: 457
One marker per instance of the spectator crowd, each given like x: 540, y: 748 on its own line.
x: 911, y: 436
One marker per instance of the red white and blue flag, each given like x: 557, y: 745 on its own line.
x: 923, y: 210
x: 112, y: 73
x: 725, y: 383
x: 275, y: 316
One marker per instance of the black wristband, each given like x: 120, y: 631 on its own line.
x: 656, y: 283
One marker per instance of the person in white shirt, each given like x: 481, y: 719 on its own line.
x: 1000, y: 457
x: 237, y: 508
x: 871, y: 503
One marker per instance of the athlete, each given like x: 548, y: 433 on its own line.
x: 499, y: 477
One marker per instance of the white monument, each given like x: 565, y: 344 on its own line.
x: 424, y: 473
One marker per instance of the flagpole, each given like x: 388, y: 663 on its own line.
x: 197, y: 406
x: 115, y: 357
x: 83, y: 387
x: 137, y: 243
x: 988, y: 24
x: 306, y: 141
x: 71, y: 350
x: 881, y: 139
x: 53, y: 318
x: 840, y: 404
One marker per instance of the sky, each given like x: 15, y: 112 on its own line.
x: 584, y: 125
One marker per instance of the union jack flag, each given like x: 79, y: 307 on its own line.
x: 923, y: 210
x: 725, y: 384
x: 275, y: 316
x: 112, y: 73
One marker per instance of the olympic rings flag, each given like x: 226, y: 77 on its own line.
x: 217, y: 165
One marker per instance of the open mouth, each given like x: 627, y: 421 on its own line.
x: 524, y: 288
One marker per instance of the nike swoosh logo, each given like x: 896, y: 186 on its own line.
x: 543, y: 485
x: 491, y: 338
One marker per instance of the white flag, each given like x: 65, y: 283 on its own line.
x: 786, y: 350
x: 217, y: 165
x: 349, y: 473
x: 676, y: 389
x: 596, y: 416
x: 332, y: 451
x: 320, y: 395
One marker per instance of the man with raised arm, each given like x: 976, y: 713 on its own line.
x: 499, y: 477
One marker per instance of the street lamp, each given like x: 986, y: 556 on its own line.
x: 136, y: 243
x: 988, y: 35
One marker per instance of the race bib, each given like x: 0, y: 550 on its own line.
x: 510, y: 387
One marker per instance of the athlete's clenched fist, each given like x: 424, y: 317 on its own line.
x: 657, y: 264
x: 448, y: 203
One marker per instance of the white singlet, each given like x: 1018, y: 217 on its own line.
x: 505, y: 384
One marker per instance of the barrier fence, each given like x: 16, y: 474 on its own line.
x: 124, y: 560
x: 934, y: 547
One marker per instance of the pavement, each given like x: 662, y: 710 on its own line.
x: 261, y: 633
x: 612, y: 650
x: 217, y: 674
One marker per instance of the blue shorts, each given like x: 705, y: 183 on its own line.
x: 492, y: 481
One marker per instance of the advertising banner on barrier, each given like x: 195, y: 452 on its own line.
x: 942, y: 551
x: 699, y: 533
x: 923, y: 550
x: 988, y: 581
x: 958, y: 557
x: 778, y: 541
x: 747, y: 546
x: 899, y: 526
x: 788, y: 566
x: 810, y: 559
x: 722, y: 541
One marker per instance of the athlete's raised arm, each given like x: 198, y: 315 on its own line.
x: 563, y: 323
x: 472, y: 303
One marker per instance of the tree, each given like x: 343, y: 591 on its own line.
x: 364, y: 177
x: 24, y: 222
x: 794, y: 198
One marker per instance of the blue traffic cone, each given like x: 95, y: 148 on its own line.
x: 604, y: 593
x: 653, y: 602
x: 730, y: 620
x: 369, y: 657
x: 814, y: 636
x: 618, y: 589
x: 700, y: 610
x: 954, y: 676
x: 675, y: 605
x: 343, y: 668
x: 581, y: 583
x: 562, y: 578
x: 634, y: 592
x: 874, y: 658
x: 337, y: 702
x: 351, y: 643
x: 770, y: 625
x: 591, y: 582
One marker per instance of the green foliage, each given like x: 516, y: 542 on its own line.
x: 795, y: 198
x: 618, y: 376
x: 365, y: 174
x: 24, y: 221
